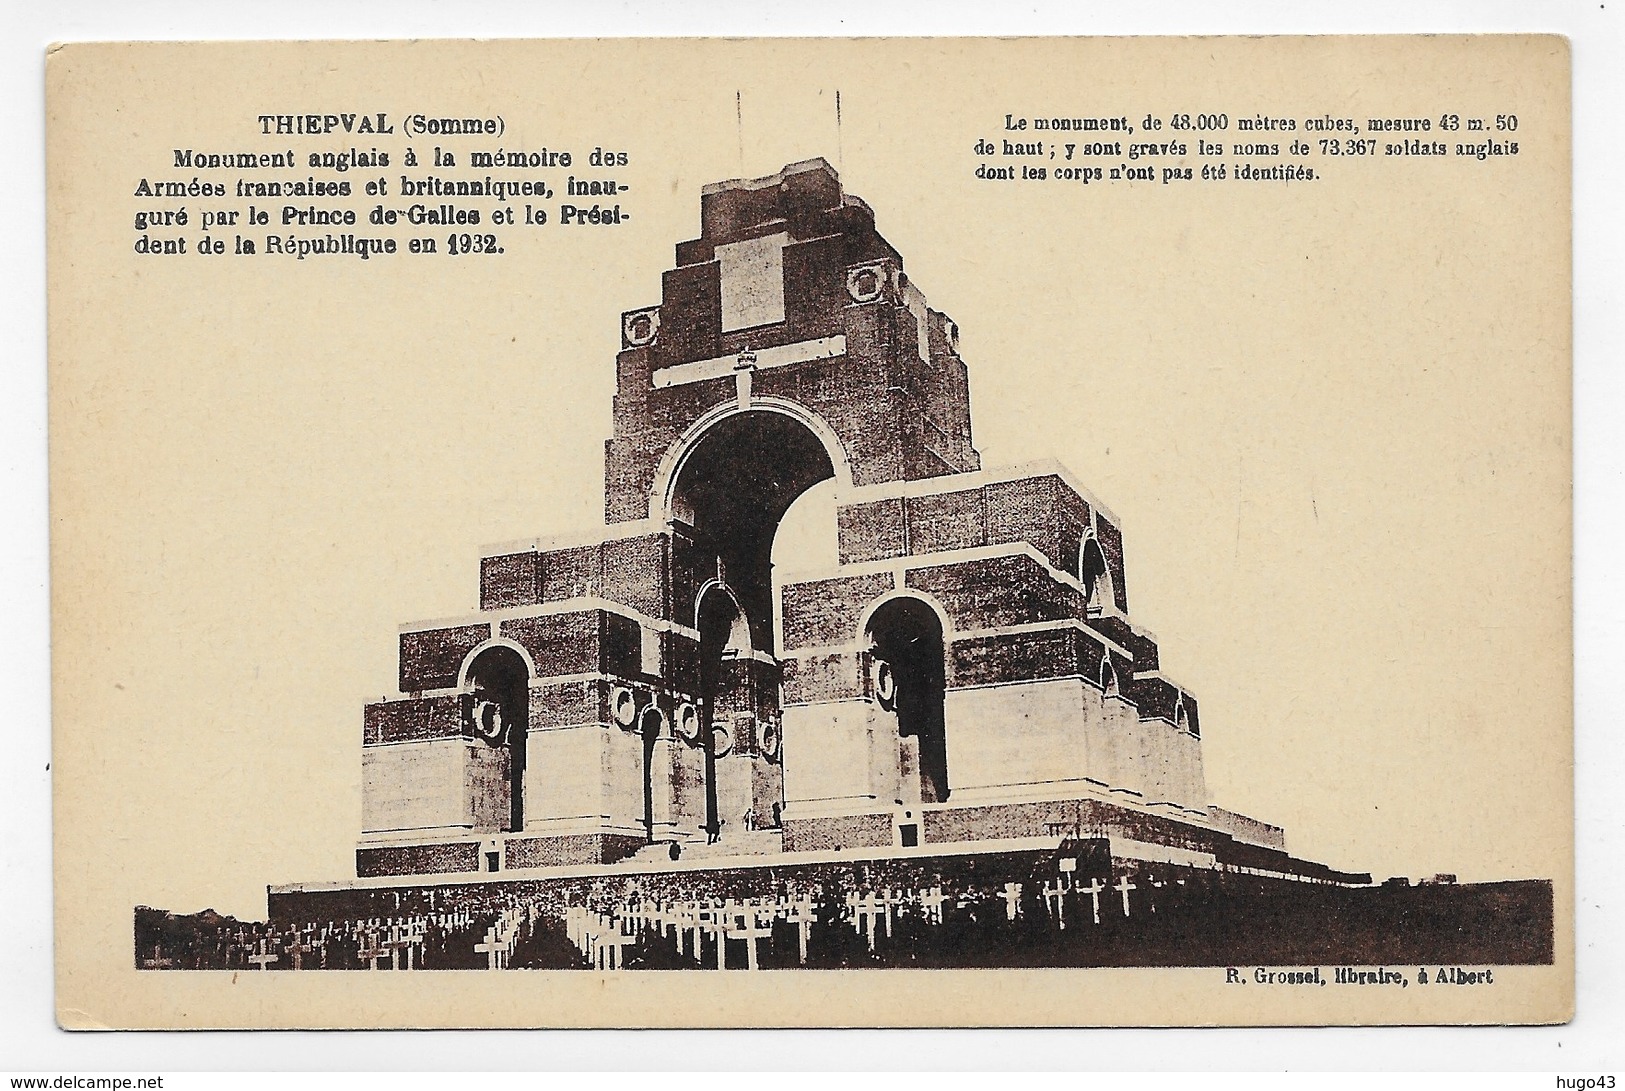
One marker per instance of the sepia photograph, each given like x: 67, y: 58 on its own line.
x: 1021, y: 532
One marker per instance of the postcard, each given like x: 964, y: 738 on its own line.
x: 778, y: 533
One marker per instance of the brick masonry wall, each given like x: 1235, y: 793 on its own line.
x: 1111, y: 545
x: 1154, y: 697
x: 568, y: 704
x: 1141, y: 647
x: 580, y: 642
x: 634, y: 573
x: 826, y: 612
x: 1192, y: 720
x: 630, y: 571
x: 621, y: 639
x: 1124, y: 667
x: 593, y: 848
x: 1042, y: 511
x: 748, y: 685
x: 558, y: 643
x: 1071, y: 523
x: 681, y: 659
x: 872, y: 532
x: 1091, y: 653
x: 1021, y: 657
x: 944, y: 521
x: 514, y: 579
x: 824, y: 834
x: 691, y: 566
x: 570, y: 573
x: 1024, y: 510
x: 431, y: 658
x: 462, y: 856
x: 690, y: 311
x: 992, y: 592
x: 1007, y: 820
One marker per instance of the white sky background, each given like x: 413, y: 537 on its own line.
x: 24, y: 858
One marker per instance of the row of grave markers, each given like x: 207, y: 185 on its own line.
x: 696, y: 928
x: 1055, y: 893
x: 398, y: 939
x: 603, y: 937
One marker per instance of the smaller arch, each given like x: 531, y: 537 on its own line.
x: 1109, y: 686
x: 906, y: 653
x: 495, y: 642
x: 739, y: 643
x: 653, y: 728
x: 653, y: 724
x: 943, y: 619
x: 496, y: 679
x: 1183, y: 720
x: 1096, y: 577
x: 499, y: 666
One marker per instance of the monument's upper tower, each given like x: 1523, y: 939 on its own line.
x: 789, y: 300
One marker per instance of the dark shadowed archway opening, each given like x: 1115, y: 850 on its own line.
x: 724, y: 636
x: 907, y: 669
x: 656, y: 733
x: 732, y: 491
x: 1096, y: 578
x: 500, y: 711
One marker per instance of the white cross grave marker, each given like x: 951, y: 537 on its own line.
x: 400, y: 941
x: 1055, y: 896
x: 931, y: 901
x: 1124, y: 886
x: 748, y: 927
x: 265, y: 956
x: 1012, y: 900
x: 800, y: 914
x: 1093, y: 890
x: 495, y: 950
x: 610, y: 944
x: 712, y: 921
x: 866, y: 913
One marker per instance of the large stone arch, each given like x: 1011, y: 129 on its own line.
x: 726, y: 484
x: 671, y: 463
